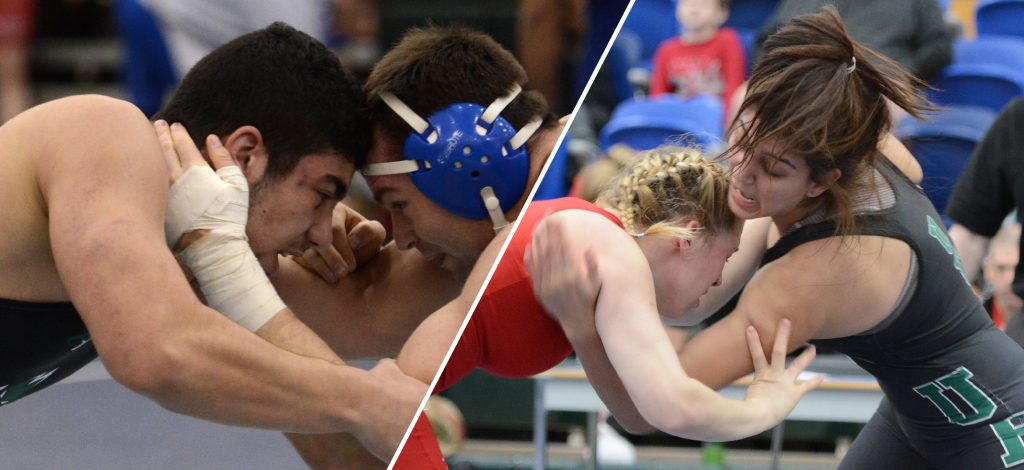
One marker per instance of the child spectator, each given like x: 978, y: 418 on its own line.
x: 705, y: 59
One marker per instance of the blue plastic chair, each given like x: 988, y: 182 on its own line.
x: 653, y: 21
x: 553, y: 185
x: 968, y: 84
x: 648, y: 123
x: 1000, y: 17
x: 1006, y: 51
x: 750, y: 14
x: 624, y: 55
x: 943, y: 144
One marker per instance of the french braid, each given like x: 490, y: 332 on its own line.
x: 668, y: 186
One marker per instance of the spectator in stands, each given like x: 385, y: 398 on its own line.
x: 1003, y: 254
x: 913, y: 32
x: 706, y: 59
x: 989, y: 189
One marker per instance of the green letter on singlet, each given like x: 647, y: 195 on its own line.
x: 943, y: 239
x: 959, y: 382
x: 1010, y: 435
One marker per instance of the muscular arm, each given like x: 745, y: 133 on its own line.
x: 827, y: 288
x: 640, y: 351
x: 419, y: 358
x: 101, y: 175
x: 373, y: 311
x: 422, y: 355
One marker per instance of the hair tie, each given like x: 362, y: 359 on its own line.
x: 640, y: 235
x: 853, y: 67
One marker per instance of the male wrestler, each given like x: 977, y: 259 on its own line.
x: 428, y: 74
x: 85, y: 268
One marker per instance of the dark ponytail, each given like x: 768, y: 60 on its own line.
x: 820, y: 95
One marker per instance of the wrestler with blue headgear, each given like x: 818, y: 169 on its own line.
x: 459, y: 140
x: 457, y: 144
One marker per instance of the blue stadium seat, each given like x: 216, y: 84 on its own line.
x: 1007, y: 51
x: 653, y: 21
x: 750, y: 14
x: 969, y: 84
x: 625, y: 54
x: 647, y: 123
x: 1000, y: 17
x: 943, y: 144
x: 553, y: 185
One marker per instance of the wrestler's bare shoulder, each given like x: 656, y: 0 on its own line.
x: 35, y: 145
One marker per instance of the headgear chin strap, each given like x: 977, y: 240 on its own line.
x: 465, y: 158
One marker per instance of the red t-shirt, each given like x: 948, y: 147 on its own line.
x: 509, y: 334
x: 715, y: 67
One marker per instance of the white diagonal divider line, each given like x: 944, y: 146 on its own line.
x: 515, y: 226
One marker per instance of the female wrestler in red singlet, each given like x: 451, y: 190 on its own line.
x: 667, y: 218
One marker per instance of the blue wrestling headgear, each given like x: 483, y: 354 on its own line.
x: 465, y: 158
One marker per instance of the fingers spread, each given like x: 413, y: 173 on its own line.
x: 780, y: 347
x: 756, y: 353
x: 801, y: 362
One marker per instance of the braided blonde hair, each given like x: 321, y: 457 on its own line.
x: 667, y: 186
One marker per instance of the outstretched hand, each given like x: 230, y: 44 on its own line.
x: 566, y: 284
x: 775, y: 386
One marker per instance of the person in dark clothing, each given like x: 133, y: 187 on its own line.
x: 910, y: 32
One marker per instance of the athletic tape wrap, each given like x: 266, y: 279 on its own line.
x: 203, y: 199
x: 232, y: 280
x: 229, y: 274
x: 459, y: 151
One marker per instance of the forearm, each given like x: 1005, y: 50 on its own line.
x: 666, y: 397
x: 333, y: 452
x: 606, y: 382
x: 219, y: 372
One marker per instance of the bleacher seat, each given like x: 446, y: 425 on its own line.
x: 625, y: 54
x: 648, y: 123
x: 970, y: 84
x: 554, y: 183
x: 1000, y: 17
x: 653, y: 21
x: 1007, y: 51
x: 943, y: 144
x: 750, y: 14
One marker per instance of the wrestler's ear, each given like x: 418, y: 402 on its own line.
x: 684, y: 244
x: 246, y: 146
x: 830, y: 178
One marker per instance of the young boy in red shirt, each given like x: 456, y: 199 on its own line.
x: 705, y: 59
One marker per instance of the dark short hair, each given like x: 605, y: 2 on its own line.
x: 286, y: 84
x: 433, y: 67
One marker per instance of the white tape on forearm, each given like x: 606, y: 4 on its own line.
x: 204, y: 199
x: 232, y: 279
